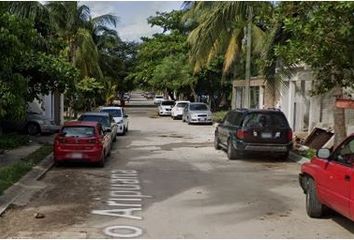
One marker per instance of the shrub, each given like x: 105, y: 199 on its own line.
x: 219, y: 116
x: 10, y: 141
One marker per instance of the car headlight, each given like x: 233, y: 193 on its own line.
x: 120, y: 122
x: 194, y: 115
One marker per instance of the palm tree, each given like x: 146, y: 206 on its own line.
x: 221, y: 30
x: 75, y: 24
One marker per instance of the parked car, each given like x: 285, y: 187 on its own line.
x: 197, y: 112
x: 149, y: 95
x: 33, y: 124
x: 126, y: 97
x: 119, y: 117
x: 82, y: 141
x: 252, y: 130
x: 105, y: 119
x: 327, y: 180
x: 158, y: 99
x: 177, y: 110
x: 165, y: 107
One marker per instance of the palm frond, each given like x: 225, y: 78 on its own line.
x: 106, y: 20
x: 233, y: 50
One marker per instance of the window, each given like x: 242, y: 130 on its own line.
x: 78, y: 131
x: 181, y: 105
x: 167, y: 103
x: 94, y: 118
x: 198, y: 107
x: 345, y: 153
x: 113, y: 112
x: 266, y: 119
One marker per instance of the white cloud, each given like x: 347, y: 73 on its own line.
x: 133, y: 16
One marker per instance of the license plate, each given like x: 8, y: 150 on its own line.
x: 76, y: 155
x: 266, y: 135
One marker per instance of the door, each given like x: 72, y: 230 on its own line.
x: 222, y: 131
x: 338, y: 178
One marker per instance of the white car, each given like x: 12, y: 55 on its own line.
x: 165, y: 107
x: 177, y: 110
x: 119, y: 117
x: 158, y: 99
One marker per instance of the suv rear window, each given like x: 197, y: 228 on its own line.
x: 79, y: 131
x: 265, y: 119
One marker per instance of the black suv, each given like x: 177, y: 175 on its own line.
x: 254, y: 130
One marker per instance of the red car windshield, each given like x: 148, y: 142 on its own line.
x: 78, y: 131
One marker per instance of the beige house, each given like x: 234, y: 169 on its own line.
x: 293, y: 97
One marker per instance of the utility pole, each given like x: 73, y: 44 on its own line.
x: 247, y: 94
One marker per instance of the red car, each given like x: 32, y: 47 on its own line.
x: 328, y: 180
x: 82, y: 141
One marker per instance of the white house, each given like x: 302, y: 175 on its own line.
x: 51, y: 106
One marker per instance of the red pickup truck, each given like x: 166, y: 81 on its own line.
x: 328, y: 180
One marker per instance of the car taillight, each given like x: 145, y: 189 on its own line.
x: 290, y: 135
x: 241, y: 134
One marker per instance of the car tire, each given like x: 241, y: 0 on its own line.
x: 33, y: 129
x: 314, y: 208
x: 232, y: 153
x: 101, y: 162
x: 216, y: 142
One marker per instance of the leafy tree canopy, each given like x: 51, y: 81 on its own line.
x: 27, y: 69
x: 322, y: 37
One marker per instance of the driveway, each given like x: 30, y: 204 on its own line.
x: 165, y: 180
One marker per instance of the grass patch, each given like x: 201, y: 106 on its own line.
x: 219, y: 116
x: 13, y: 140
x: 12, y: 173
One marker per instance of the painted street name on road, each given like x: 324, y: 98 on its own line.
x: 124, y: 202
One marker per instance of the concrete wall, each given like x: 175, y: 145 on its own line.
x: 50, y: 106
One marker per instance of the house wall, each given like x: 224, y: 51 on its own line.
x: 267, y: 97
x: 50, y: 106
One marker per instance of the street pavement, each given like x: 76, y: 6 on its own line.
x: 165, y: 180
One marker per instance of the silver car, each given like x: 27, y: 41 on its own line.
x: 197, y: 112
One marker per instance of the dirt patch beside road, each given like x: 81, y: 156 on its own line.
x: 66, y: 201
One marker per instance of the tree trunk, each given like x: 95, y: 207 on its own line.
x: 339, y: 124
x: 195, y: 96
x: 248, y: 58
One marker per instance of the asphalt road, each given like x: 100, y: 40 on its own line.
x: 165, y: 180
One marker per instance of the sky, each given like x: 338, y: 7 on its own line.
x: 133, y: 15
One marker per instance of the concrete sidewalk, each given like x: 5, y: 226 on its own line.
x: 14, y: 155
x: 22, y: 191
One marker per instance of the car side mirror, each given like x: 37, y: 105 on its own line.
x: 323, y: 153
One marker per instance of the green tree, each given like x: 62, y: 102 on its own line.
x: 321, y: 36
x: 27, y: 67
x: 161, y: 61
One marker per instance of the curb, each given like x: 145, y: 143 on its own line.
x: 18, y: 189
x: 297, y: 158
